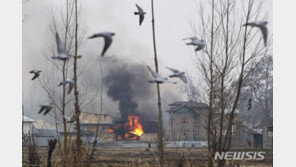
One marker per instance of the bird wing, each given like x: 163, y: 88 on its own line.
x: 141, y: 18
x: 70, y: 87
x: 35, y: 76
x: 264, y: 31
x: 172, y: 69
x: 47, y: 110
x: 108, y: 41
x: 168, y: 81
x: 183, y: 78
x: 41, y: 109
x: 154, y: 74
x: 60, y: 46
x: 73, y: 119
x: 139, y: 9
x: 191, y: 38
x: 199, y: 47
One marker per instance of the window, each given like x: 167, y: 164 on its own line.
x: 184, y: 133
x: 196, y: 135
x: 196, y: 122
x: 184, y: 121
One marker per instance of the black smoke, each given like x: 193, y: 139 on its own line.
x: 128, y: 84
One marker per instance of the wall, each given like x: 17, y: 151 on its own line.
x: 176, y: 128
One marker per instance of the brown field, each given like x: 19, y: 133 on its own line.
x: 143, y: 157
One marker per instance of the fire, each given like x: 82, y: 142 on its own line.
x: 134, y: 122
x: 130, y: 130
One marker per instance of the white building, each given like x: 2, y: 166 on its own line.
x: 28, y: 125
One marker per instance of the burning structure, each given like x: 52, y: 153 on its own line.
x: 133, y: 129
x: 92, y: 123
x: 127, y: 84
x: 130, y: 130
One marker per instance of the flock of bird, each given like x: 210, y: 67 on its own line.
x: 108, y: 38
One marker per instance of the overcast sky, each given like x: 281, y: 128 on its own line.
x: 132, y: 42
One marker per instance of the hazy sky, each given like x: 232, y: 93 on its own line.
x: 132, y: 42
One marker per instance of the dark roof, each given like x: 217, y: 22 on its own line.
x: 46, y: 133
x: 189, y: 104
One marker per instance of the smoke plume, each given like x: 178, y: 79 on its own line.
x: 128, y: 84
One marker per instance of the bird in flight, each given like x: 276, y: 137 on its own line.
x: 70, y: 82
x: 73, y: 119
x: 158, y: 78
x: 196, y: 42
x: 178, y: 74
x: 47, y: 107
x: 107, y: 38
x: 141, y: 14
x: 62, y: 55
x: 36, y: 73
x: 262, y: 26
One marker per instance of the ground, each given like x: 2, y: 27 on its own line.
x: 174, y: 157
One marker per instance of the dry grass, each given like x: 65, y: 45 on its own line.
x: 144, y: 157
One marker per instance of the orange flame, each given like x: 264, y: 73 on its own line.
x: 137, y: 127
x: 132, y: 129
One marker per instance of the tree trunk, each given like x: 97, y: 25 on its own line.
x: 210, y: 114
x: 76, y: 104
x: 64, y: 118
x: 160, y: 133
x: 228, y: 135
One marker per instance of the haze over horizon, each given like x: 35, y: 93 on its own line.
x: 132, y: 43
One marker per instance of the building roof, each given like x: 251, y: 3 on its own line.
x: 46, y: 133
x: 91, y: 118
x: 189, y: 104
x: 42, y: 124
x: 27, y: 119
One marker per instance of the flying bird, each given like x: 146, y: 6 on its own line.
x: 196, y: 42
x: 47, y: 107
x: 141, y: 14
x: 36, y: 73
x: 73, y: 119
x: 262, y: 26
x: 70, y: 82
x: 178, y: 74
x: 158, y: 78
x: 107, y: 38
x: 62, y: 55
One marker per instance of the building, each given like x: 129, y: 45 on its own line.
x: 28, y: 126
x: 89, y: 122
x: 187, y: 121
x: 44, y: 135
x: 39, y: 130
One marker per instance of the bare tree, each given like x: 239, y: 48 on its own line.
x: 92, y: 150
x: 160, y: 133
x: 224, y: 63
x: 63, y: 23
x: 257, y: 91
x: 76, y: 104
